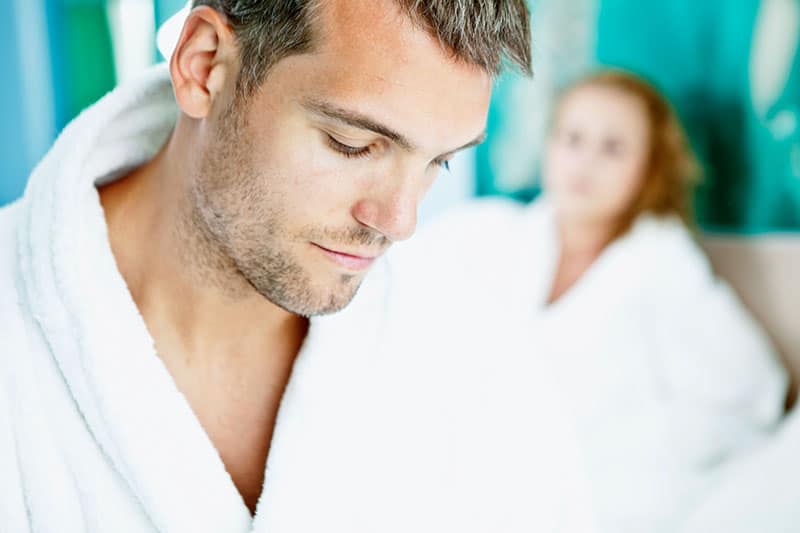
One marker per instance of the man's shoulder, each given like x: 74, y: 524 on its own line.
x: 10, y: 219
x: 10, y: 216
x: 11, y: 346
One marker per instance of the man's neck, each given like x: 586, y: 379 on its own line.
x: 193, y: 302
x: 228, y: 349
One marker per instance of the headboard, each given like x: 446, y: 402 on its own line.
x: 765, y: 271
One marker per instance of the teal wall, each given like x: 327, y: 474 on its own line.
x: 13, y: 127
x: 58, y: 58
x: 699, y: 53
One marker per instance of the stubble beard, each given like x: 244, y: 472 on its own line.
x: 234, y: 239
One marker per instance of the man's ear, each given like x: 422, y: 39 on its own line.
x: 205, y: 59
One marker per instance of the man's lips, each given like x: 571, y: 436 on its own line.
x: 347, y: 260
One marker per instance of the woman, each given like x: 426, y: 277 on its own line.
x: 663, y: 373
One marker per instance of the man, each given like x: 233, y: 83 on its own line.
x: 159, y: 371
x: 159, y: 274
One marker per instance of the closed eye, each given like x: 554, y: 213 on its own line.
x: 364, y: 151
x: 347, y: 150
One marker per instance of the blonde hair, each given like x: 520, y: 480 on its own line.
x: 672, y: 169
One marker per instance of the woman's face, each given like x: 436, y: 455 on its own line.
x: 597, y: 154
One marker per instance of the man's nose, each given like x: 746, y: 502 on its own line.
x: 391, y: 211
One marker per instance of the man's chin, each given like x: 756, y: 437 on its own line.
x: 308, y: 292
x: 324, y: 302
x: 332, y: 306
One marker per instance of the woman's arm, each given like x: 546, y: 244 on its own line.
x: 760, y: 492
x: 719, y: 370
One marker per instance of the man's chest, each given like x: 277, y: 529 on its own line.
x: 242, y: 434
x: 237, y: 410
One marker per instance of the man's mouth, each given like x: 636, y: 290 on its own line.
x: 355, y: 262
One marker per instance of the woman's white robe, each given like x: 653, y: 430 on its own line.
x: 664, y: 374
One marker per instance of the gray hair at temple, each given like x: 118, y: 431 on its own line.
x: 479, y: 32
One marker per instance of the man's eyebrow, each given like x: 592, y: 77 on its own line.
x: 475, y: 142
x: 361, y: 121
x: 357, y: 120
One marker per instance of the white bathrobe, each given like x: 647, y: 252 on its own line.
x: 95, y: 436
x: 664, y: 374
x: 759, y: 493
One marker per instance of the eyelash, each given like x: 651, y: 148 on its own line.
x: 353, y: 153
x: 349, y: 151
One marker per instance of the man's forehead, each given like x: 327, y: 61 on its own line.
x: 359, y: 20
x: 372, y: 64
x: 374, y: 32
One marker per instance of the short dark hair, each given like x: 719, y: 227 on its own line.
x: 480, y: 32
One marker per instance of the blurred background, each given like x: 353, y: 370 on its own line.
x: 730, y: 67
x: 59, y: 57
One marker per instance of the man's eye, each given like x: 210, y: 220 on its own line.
x: 347, y: 150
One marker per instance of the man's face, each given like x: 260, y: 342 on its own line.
x: 322, y: 169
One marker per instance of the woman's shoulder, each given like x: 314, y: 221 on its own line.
x: 493, y: 221
x: 478, y: 217
x: 665, y: 245
x: 478, y: 225
x: 709, y: 342
x: 462, y: 250
x: 664, y: 231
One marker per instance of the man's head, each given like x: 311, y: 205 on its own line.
x: 318, y: 126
